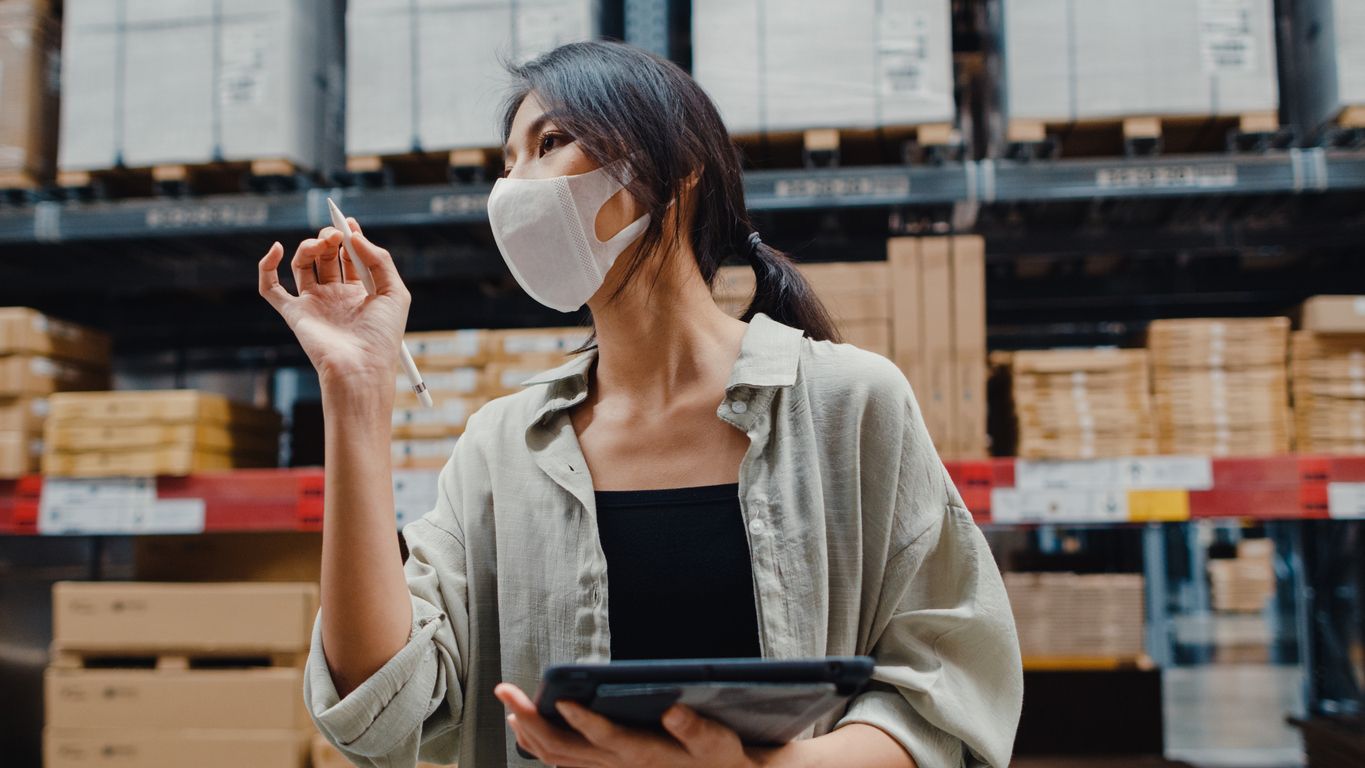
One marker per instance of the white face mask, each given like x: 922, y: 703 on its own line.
x: 545, y: 229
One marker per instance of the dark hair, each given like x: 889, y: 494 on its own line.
x: 623, y: 103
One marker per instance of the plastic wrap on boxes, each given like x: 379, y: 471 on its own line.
x: 773, y: 66
x: 147, y: 82
x: 426, y: 75
x: 1069, y: 60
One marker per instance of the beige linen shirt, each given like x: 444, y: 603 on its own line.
x: 859, y: 544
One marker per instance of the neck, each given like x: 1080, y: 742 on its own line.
x: 661, y: 335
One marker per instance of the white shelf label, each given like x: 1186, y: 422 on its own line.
x: 171, y: 516
x: 1188, y: 473
x: 1346, y: 501
x: 414, y: 493
x: 1014, y: 505
x: 94, y: 505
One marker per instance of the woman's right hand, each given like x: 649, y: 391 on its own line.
x: 350, y: 336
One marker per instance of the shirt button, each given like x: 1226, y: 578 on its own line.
x: 755, y: 526
x: 738, y: 407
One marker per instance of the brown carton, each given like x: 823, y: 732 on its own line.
x: 149, y: 748
x: 23, y: 414
x: 1334, y: 314
x: 259, y: 698
x: 163, y: 407
x: 19, y: 454
x: 969, y: 346
x: 437, y: 350
x: 936, y: 289
x: 141, y: 616
x: 27, y: 375
x: 29, y: 332
x: 28, y: 94
x: 550, y: 346
x: 907, y: 342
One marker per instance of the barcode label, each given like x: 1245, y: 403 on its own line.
x: 1226, y: 39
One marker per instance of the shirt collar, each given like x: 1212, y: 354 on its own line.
x: 768, y: 357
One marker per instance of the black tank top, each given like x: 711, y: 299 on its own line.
x: 679, y: 582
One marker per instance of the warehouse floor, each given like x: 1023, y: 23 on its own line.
x: 1233, y: 715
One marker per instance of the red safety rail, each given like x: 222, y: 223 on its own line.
x: 1269, y: 488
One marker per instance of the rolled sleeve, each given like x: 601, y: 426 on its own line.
x: 949, y: 679
x: 412, y: 707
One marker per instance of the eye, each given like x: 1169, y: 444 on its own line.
x: 552, y: 140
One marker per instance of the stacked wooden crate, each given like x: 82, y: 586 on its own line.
x: 208, y: 675
x: 1221, y: 386
x: 39, y: 356
x: 171, y: 432
x: 463, y: 370
x: 1069, y: 616
x: 1328, y: 371
x: 29, y: 38
x: 1244, y: 583
x: 1081, y: 403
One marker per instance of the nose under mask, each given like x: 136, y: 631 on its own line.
x: 546, y: 232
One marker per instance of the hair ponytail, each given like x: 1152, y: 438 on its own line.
x: 783, y: 293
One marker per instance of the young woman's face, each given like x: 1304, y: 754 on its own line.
x: 537, y: 148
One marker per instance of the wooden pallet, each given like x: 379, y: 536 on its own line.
x: 467, y: 165
x: 211, y: 658
x: 1086, y: 663
x: 826, y: 147
x: 1145, y: 136
x: 184, y: 179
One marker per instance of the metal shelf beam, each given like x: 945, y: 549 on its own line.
x: 985, y: 181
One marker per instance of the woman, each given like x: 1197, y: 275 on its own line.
x: 751, y: 488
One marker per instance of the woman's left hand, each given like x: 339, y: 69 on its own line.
x: 596, y: 742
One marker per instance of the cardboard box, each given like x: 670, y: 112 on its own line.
x: 938, y: 402
x: 969, y: 346
x: 236, y: 556
x: 793, y: 65
x: 444, y: 350
x: 551, y: 346
x: 29, y: 332
x: 429, y: 75
x: 23, y: 414
x: 161, y: 407
x: 142, y: 616
x: 166, y: 461
x: 1334, y: 314
x: 446, y: 419
x: 464, y: 381
x: 505, y: 378
x: 19, y: 454
x: 907, y: 329
x: 28, y: 93
x: 166, y: 699
x: 26, y: 375
x: 1068, y: 615
x: 431, y: 453
x: 1079, y: 404
x: 1068, y: 61
x: 214, y: 438
x: 253, y: 79
x: 149, y: 748
x: 871, y: 335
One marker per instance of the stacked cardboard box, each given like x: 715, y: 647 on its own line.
x: 40, y: 355
x: 253, y: 80
x: 1243, y: 584
x: 463, y: 370
x: 1081, y: 403
x: 1068, y: 61
x: 178, y: 674
x: 938, y: 335
x: 28, y: 93
x: 786, y: 66
x: 174, y: 432
x: 1070, y: 616
x: 427, y: 75
x: 855, y: 293
x: 1328, y: 371
x: 925, y: 308
x: 1331, y: 53
x: 1221, y: 386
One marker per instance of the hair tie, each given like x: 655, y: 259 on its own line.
x: 754, y: 242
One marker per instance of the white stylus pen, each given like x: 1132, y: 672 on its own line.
x: 409, y: 367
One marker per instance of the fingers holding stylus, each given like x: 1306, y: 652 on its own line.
x: 329, y: 259
x: 380, y: 263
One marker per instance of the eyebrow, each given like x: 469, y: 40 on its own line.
x: 533, y: 128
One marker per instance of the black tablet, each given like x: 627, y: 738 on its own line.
x: 765, y: 702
